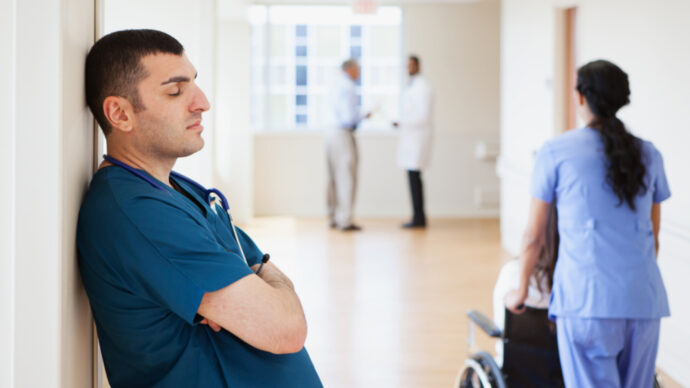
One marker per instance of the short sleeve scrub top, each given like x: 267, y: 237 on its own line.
x: 147, y: 256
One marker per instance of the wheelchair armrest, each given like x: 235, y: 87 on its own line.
x: 485, y: 323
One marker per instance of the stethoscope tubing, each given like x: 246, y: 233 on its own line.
x: 207, y: 193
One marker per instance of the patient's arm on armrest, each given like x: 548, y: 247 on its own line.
x: 485, y: 323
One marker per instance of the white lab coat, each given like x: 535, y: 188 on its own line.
x: 415, y: 125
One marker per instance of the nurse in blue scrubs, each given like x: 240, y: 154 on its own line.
x: 608, y: 296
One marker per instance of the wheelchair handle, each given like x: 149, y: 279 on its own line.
x: 485, y: 323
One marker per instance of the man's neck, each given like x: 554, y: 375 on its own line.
x: 159, y: 169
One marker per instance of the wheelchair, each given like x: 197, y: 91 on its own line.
x: 530, y: 353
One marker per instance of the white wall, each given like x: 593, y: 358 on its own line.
x: 7, y: 200
x: 649, y: 42
x: 233, y: 145
x: 459, y: 48
x: 46, y: 151
x: 527, y: 104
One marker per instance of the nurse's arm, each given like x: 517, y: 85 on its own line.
x: 656, y: 225
x: 263, y: 311
x: 532, y: 242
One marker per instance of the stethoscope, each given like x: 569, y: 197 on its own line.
x: 207, y: 194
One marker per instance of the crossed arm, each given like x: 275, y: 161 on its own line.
x: 263, y: 310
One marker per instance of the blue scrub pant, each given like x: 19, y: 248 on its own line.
x: 603, y: 353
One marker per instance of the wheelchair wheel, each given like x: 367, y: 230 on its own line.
x: 480, y: 371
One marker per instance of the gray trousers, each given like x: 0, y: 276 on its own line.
x: 342, y: 156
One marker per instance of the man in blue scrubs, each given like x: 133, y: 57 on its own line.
x: 174, y: 302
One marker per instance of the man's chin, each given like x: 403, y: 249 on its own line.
x: 191, y: 149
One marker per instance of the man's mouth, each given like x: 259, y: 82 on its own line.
x: 196, y: 125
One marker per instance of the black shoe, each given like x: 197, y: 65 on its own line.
x: 413, y: 225
x: 351, y: 228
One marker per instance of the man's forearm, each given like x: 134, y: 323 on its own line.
x: 291, y: 304
x: 274, y: 277
x: 282, y: 284
x: 262, y: 310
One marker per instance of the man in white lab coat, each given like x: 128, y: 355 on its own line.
x: 414, y: 142
x: 341, y: 148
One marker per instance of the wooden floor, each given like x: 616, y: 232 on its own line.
x: 386, y: 306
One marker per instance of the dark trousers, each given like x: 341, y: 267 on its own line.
x: 415, y: 178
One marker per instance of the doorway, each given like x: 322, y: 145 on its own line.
x: 566, y: 68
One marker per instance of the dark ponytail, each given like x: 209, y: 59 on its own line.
x: 605, y: 88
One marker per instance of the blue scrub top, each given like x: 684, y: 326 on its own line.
x: 606, y: 260
x: 146, y: 258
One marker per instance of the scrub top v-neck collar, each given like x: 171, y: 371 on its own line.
x: 218, y: 225
x: 180, y: 196
x: 189, y: 195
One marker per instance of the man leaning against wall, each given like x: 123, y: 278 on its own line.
x: 179, y: 300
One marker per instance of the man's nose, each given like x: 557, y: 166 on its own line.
x: 200, y: 102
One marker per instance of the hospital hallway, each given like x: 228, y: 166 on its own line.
x: 386, y: 306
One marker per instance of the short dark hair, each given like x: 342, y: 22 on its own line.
x: 416, y: 60
x: 113, y: 67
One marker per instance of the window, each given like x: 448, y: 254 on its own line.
x: 296, y: 55
x: 300, y: 75
x: 301, y: 51
x: 356, y: 52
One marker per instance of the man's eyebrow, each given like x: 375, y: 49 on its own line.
x: 180, y: 78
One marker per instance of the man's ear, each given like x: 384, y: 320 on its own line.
x: 119, y: 112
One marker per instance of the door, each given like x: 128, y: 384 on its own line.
x: 566, y: 68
